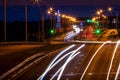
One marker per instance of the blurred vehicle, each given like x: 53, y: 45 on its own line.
x: 108, y: 35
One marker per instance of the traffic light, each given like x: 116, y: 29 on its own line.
x: 52, y: 31
x: 88, y: 20
x: 97, y: 31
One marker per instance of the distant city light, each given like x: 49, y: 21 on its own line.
x: 81, y: 23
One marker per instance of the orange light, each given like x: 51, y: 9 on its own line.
x: 109, y: 9
x: 56, y: 13
x: 48, y: 12
x: 101, y: 10
x: 51, y: 8
x: 98, y: 12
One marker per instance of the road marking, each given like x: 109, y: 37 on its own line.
x: 57, y: 59
x: 112, y: 59
x: 118, y: 71
x: 92, y: 59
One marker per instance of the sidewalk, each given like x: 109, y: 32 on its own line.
x: 11, y: 47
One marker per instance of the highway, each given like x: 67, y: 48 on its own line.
x: 79, y: 61
x: 76, y: 60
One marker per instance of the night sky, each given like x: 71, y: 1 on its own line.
x: 77, y: 8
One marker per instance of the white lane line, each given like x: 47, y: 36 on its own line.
x: 118, y: 70
x: 92, y: 59
x: 72, y: 55
x: 50, y: 65
x: 92, y: 41
x: 112, y: 60
x: 56, y: 61
x: 64, y: 66
x: 60, y: 71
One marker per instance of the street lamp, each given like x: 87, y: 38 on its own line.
x: 37, y: 2
x: 5, y: 21
x: 111, y: 10
x: 102, y: 12
x: 51, y: 12
x: 26, y: 31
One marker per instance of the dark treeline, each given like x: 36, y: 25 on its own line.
x: 16, y: 30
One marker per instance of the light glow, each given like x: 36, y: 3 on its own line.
x: 70, y: 35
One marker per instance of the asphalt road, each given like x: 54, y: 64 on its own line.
x: 83, y: 61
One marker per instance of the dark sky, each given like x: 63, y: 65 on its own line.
x: 77, y: 8
x: 65, y: 2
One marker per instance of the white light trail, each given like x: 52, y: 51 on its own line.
x: 72, y: 34
x: 74, y: 53
x: 56, y: 61
x: 92, y: 41
x: 112, y: 60
x: 118, y: 70
x: 60, y: 71
x: 68, y: 60
x: 93, y: 58
x: 50, y: 65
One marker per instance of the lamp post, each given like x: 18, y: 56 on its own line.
x: 116, y: 14
x: 117, y: 20
x: 26, y: 31
x: 43, y: 32
x: 110, y: 9
x: 5, y: 21
x: 50, y: 11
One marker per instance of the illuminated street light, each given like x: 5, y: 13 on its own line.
x: 101, y: 10
x: 98, y: 12
x: 56, y: 13
x: 51, y: 9
x: 93, y: 19
x: 104, y: 16
x: 48, y: 12
x: 36, y: 1
x: 109, y: 9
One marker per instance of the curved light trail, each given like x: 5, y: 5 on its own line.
x: 50, y: 65
x: 92, y: 59
x: 57, y: 59
x: 118, y: 70
x: 70, y: 35
x: 92, y: 41
x: 112, y: 60
x: 60, y: 71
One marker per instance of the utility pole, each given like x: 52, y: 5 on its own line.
x: 117, y: 20
x: 39, y: 34
x: 5, y: 20
x: 43, y: 32
x: 117, y: 24
x: 26, y: 33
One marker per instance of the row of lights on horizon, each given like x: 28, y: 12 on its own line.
x: 52, y: 11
